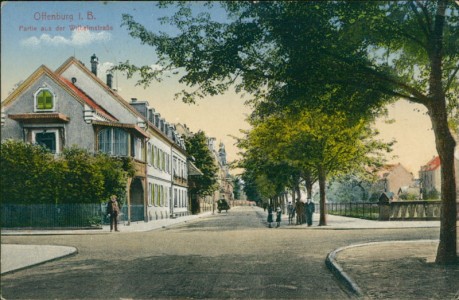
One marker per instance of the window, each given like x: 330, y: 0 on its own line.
x: 153, y: 193
x: 160, y: 158
x: 138, y: 149
x: 150, y: 194
x: 175, y: 166
x: 149, y: 154
x: 175, y: 198
x: 44, y: 100
x: 47, y: 140
x: 155, y: 163
x: 113, y: 141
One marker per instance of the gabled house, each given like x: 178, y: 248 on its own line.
x: 391, y: 178
x: 72, y: 106
x: 430, y: 175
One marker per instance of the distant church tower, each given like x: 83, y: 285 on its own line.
x: 222, y: 154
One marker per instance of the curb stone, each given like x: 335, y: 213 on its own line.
x: 342, y: 276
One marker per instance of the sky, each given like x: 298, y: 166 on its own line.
x: 48, y: 33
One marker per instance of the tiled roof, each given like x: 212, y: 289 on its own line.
x: 121, y: 125
x: 433, y: 164
x: 88, y: 100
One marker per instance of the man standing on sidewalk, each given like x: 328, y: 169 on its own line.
x: 113, y: 210
x: 310, y: 209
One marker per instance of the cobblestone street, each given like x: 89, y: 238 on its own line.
x: 227, y: 255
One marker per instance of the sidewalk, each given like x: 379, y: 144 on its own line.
x: 139, y: 226
x: 339, y: 222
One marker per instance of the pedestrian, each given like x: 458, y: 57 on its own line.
x: 310, y: 209
x: 278, y: 217
x: 299, y: 212
x: 113, y: 210
x: 291, y: 212
x: 305, y: 212
x: 270, y: 215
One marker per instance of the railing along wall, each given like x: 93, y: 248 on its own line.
x: 389, y: 211
x: 415, y: 210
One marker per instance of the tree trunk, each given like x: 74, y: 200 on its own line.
x: 322, y: 182
x: 194, y: 204
x: 298, y: 205
x: 308, y: 183
x: 447, y: 252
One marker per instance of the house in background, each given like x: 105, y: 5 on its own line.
x: 72, y: 106
x: 430, y: 173
x: 391, y: 178
x: 430, y: 176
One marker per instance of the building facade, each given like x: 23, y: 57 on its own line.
x: 430, y: 175
x: 72, y: 106
x: 391, y: 179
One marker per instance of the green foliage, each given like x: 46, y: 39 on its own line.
x: 348, y: 188
x: 408, y: 196
x: 84, y: 183
x: 431, y: 195
x: 237, y: 188
x: 206, y: 184
x: 30, y: 174
x: 27, y: 174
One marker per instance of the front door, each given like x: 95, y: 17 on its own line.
x: 137, y: 200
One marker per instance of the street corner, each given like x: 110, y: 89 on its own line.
x: 18, y: 257
x: 351, y: 264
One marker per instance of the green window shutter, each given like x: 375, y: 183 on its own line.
x: 45, y: 100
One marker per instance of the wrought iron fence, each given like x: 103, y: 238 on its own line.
x: 364, y: 210
x: 137, y: 213
x: 62, y: 215
x: 46, y: 215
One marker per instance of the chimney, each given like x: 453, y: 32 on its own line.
x: 94, y: 63
x: 109, y: 80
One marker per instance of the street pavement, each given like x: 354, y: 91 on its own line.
x: 350, y: 262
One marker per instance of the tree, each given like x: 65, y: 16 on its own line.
x: 205, y: 184
x: 284, y: 53
x: 417, y: 41
x: 349, y: 187
x: 237, y: 188
x: 28, y: 174
x: 31, y: 174
x: 325, y: 144
x: 264, y: 178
